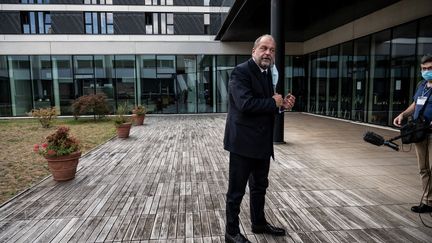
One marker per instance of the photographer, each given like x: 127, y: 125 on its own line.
x: 422, y: 148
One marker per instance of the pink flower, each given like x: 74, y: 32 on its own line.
x: 36, y: 148
x: 51, y: 152
x: 44, y: 145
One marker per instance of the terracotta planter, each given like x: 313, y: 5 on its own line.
x: 139, y: 119
x: 63, y: 168
x: 123, y: 130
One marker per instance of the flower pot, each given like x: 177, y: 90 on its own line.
x: 139, y: 119
x: 63, y: 168
x: 123, y: 130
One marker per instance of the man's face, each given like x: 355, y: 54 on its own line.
x: 264, y: 52
x: 426, y: 66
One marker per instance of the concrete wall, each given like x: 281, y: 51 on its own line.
x: 87, y: 44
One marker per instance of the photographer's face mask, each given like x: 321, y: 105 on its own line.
x: 427, y: 75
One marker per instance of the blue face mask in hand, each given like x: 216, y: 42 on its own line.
x: 427, y: 75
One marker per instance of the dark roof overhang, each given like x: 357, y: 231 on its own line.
x: 248, y: 19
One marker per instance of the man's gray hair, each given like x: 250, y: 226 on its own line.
x: 258, y: 40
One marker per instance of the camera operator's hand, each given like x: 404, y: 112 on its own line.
x: 278, y: 99
x: 398, y: 120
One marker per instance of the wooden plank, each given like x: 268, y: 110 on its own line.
x: 169, y: 185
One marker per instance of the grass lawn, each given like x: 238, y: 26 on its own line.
x: 20, y: 167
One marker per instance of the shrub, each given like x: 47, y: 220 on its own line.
x: 44, y: 115
x: 95, y: 104
x: 58, y: 143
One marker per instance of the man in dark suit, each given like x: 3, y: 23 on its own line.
x: 249, y: 137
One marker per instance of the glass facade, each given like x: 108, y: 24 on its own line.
x: 371, y: 79
x: 166, y: 84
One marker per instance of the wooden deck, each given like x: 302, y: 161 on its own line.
x: 167, y: 183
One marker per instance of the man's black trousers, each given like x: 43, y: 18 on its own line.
x: 242, y: 169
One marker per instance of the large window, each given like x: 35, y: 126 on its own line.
x: 63, y: 83
x: 99, y: 23
x: 35, y: 1
x: 124, y: 67
x: 346, y: 79
x: 360, y: 76
x: 424, y: 40
x: 403, y: 68
x: 20, y: 85
x: 333, y: 82
x: 206, y: 88
x: 186, y: 84
x: 42, y: 81
x: 313, y: 81
x: 36, y: 22
x: 166, y: 81
x: 148, y: 86
x: 104, y: 80
x: 5, y: 102
x: 322, y: 79
x: 98, y: 1
x: 159, y: 23
x: 225, y: 65
x: 379, y: 87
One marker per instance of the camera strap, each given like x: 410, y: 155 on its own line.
x: 426, y: 102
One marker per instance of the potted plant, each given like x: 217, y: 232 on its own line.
x: 138, y: 114
x: 62, y: 151
x: 121, y: 121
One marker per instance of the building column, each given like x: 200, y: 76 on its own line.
x: 277, y: 31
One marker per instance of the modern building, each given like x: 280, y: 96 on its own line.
x: 355, y: 60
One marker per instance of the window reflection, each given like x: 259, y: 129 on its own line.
x: 322, y: 67
x: 380, y: 78
x: 42, y: 82
x: 124, y: 68
x: 346, y: 80
x: 206, y: 82
x: 225, y: 65
x: 20, y: 85
x: 403, y: 68
x: 104, y: 78
x: 186, y: 83
x: 333, y: 83
x: 99, y: 23
x: 313, y: 80
x: 5, y: 102
x: 64, y: 92
x: 36, y: 23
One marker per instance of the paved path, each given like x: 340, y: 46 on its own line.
x: 167, y: 183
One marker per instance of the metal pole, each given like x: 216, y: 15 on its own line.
x: 277, y: 31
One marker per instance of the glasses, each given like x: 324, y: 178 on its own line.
x: 426, y: 68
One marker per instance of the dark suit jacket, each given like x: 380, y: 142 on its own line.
x: 251, y: 111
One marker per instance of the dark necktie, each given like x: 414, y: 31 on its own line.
x: 267, y: 82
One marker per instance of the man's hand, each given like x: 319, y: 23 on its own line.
x: 398, y: 120
x: 278, y: 99
x: 289, y: 101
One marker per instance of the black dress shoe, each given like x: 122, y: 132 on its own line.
x: 238, y: 238
x: 268, y: 229
x: 422, y: 208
